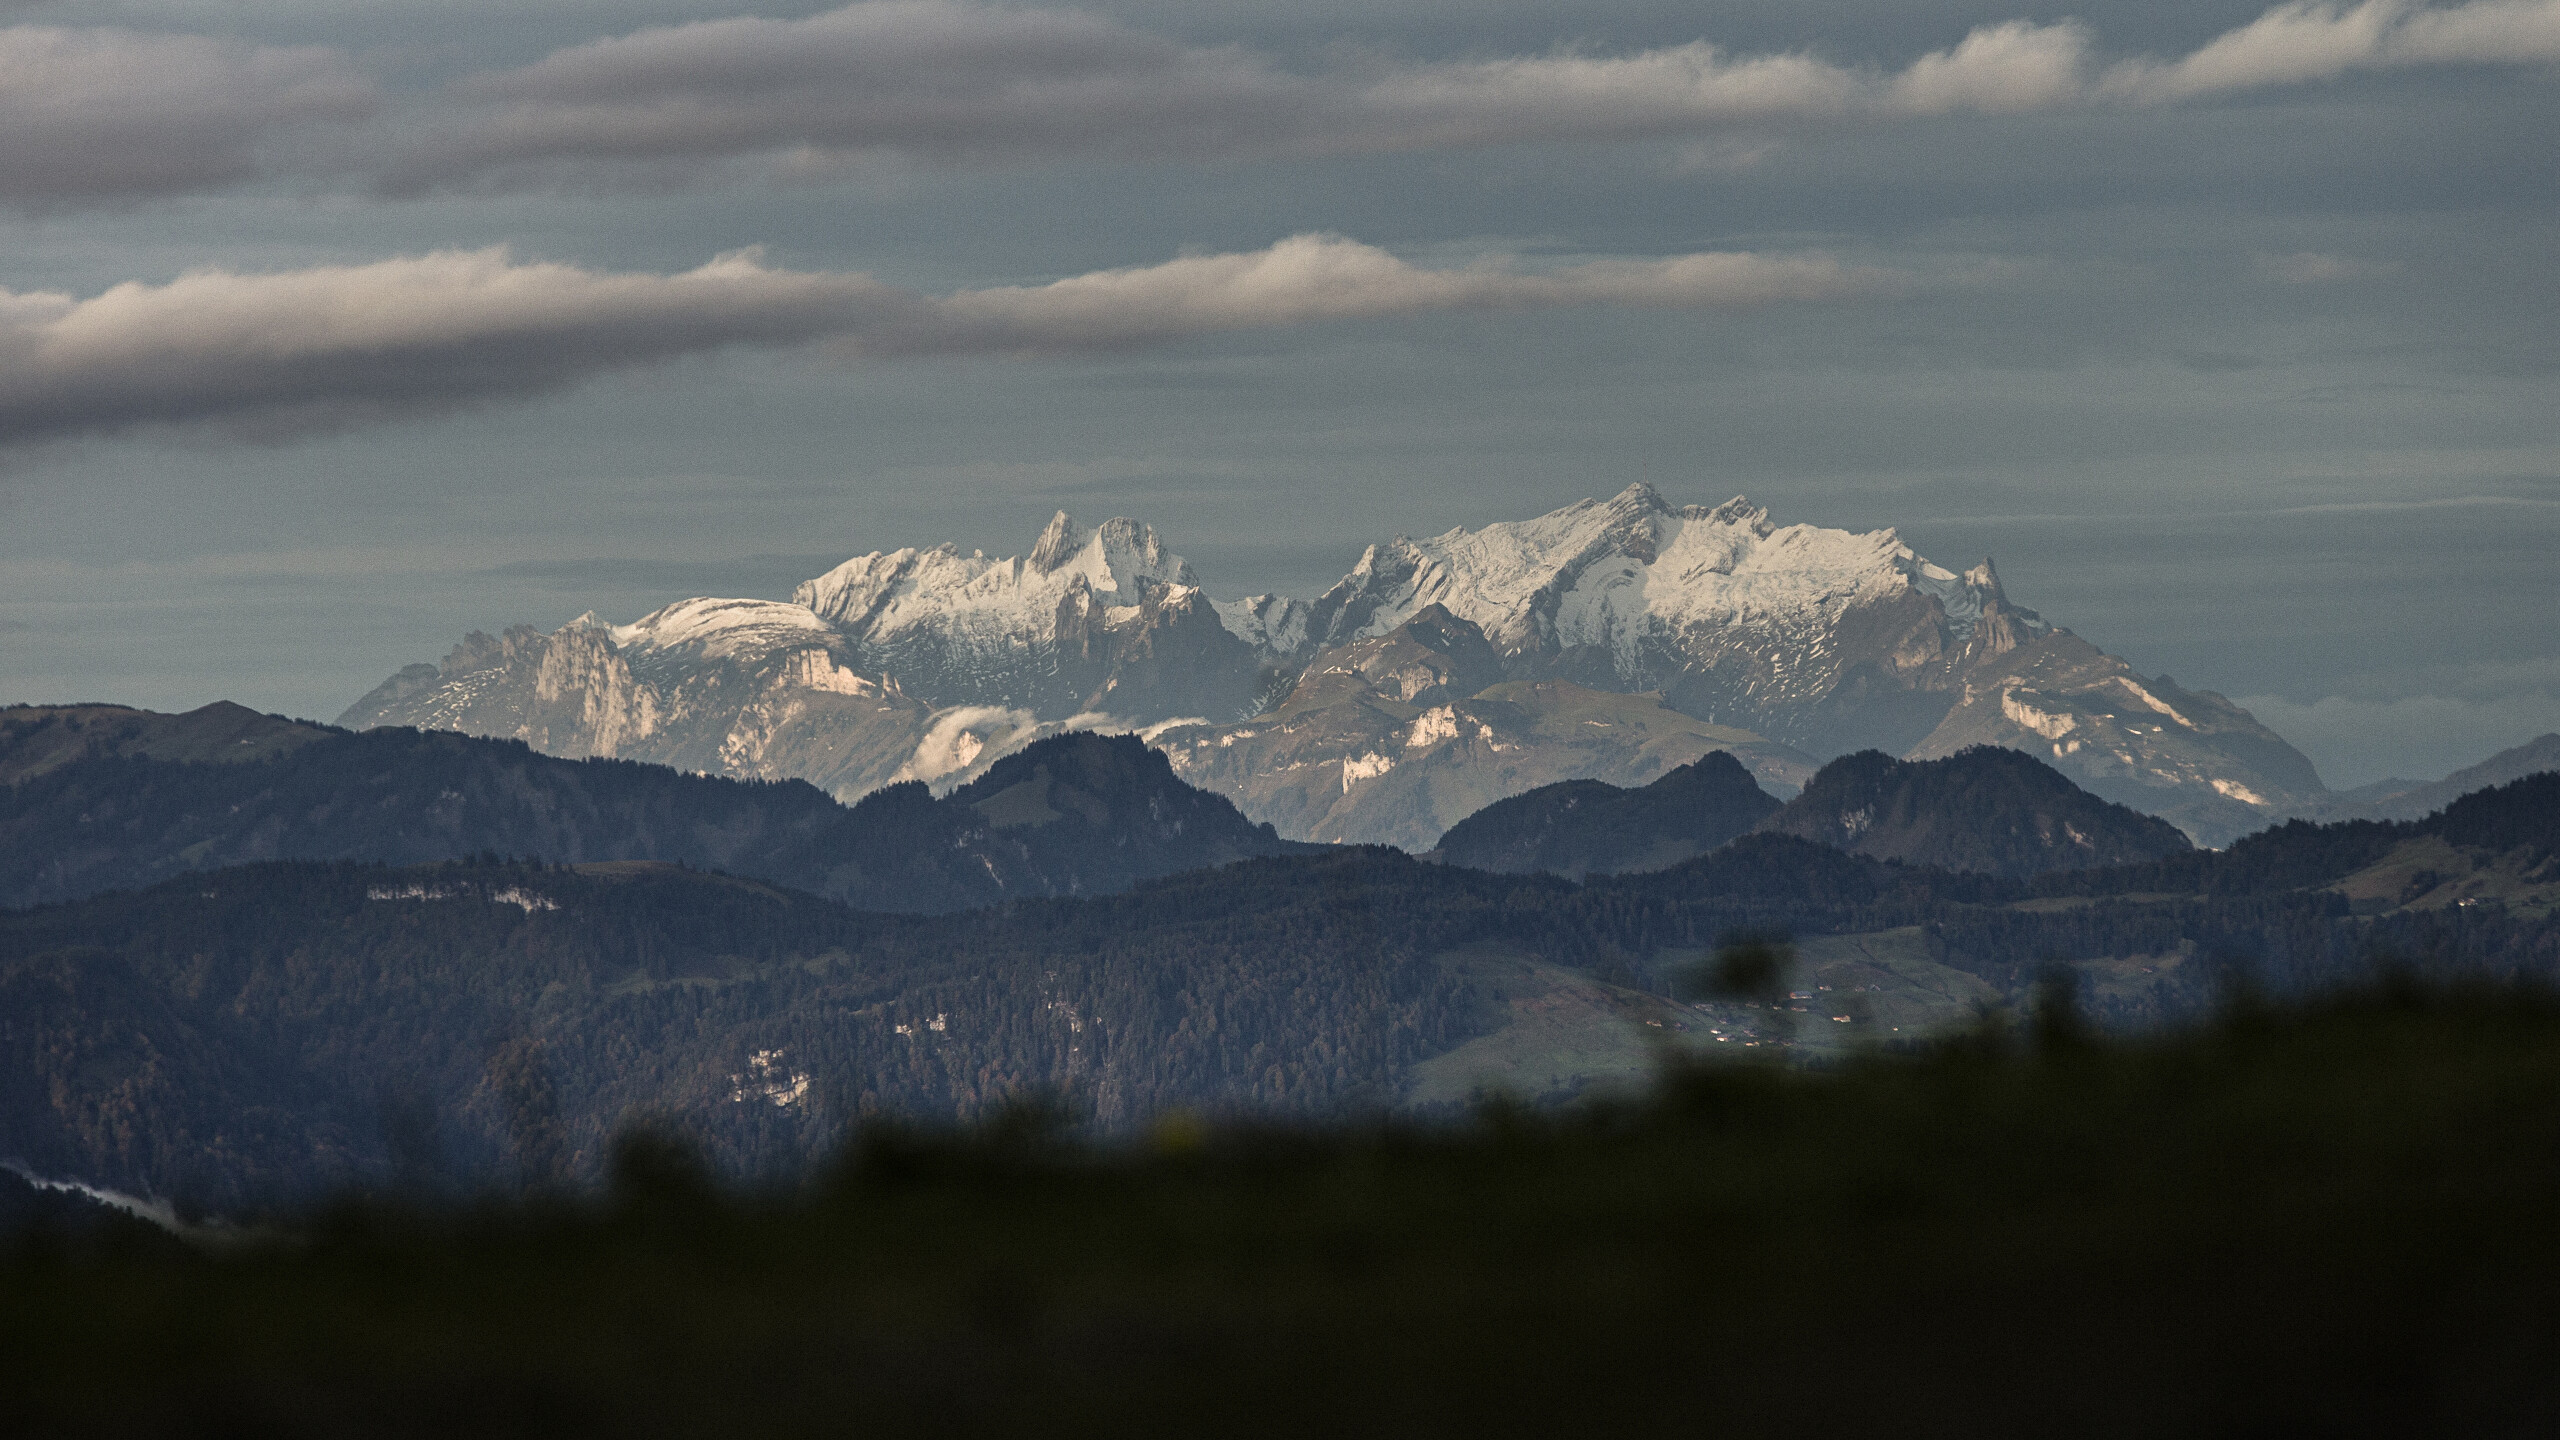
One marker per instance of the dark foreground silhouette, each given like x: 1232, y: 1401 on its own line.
x: 2330, y: 1220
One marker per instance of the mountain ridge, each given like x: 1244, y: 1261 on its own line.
x: 891, y: 665
x: 104, y: 820
x: 1986, y: 808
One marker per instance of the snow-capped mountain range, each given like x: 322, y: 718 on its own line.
x: 1734, y: 619
x: 927, y: 663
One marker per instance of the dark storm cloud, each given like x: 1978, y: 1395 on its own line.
x: 950, y: 81
x: 89, y: 115
x: 332, y: 346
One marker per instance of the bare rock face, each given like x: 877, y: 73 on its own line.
x: 1105, y: 619
x: 1823, y: 640
x: 2188, y: 756
x: 842, y: 685
x: 737, y: 688
x: 1383, y: 741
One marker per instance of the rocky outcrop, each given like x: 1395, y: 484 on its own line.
x: 1822, y: 639
x: 854, y: 683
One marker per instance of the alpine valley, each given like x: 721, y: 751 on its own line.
x: 1610, y: 640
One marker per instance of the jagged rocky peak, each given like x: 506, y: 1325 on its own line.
x: 1273, y: 624
x: 1121, y: 562
x: 1738, y: 512
x: 1433, y: 656
x: 1120, y: 556
x: 1986, y: 579
x: 1615, y: 574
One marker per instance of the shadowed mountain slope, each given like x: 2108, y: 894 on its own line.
x: 1590, y: 826
x: 271, y: 1028
x: 1391, y: 739
x: 1986, y: 809
x: 35, y: 739
x: 1075, y: 813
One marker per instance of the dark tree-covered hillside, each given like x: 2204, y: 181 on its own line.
x: 1580, y: 827
x: 1074, y: 814
x: 1984, y: 808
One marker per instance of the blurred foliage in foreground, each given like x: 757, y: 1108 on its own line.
x: 2331, y: 1219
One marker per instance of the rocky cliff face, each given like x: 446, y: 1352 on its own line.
x: 904, y: 665
x: 742, y: 688
x: 1710, y: 627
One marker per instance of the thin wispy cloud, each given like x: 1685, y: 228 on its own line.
x: 329, y: 347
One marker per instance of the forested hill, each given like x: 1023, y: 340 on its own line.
x: 272, y: 1028
x: 1984, y: 808
x: 2519, y: 820
x: 99, y: 798
x: 1579, y: 827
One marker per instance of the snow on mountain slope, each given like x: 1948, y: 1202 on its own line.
x: 882, y: 598
x: 914, y: 663
x: 1104, y: 618
x: 1604, y: 573
x: 2188, y: 756
x: 1825, y: 639
x: 928, y: 663
x: 1391, y: 739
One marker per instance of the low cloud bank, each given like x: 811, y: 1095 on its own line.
x: 312, y: 350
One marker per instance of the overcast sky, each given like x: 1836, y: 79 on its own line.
x: 333, y: 329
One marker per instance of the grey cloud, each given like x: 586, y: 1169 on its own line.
x: 952, y: 81
x: 333, y: 346
x: 103, y: 114
x: 2311, y: 40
